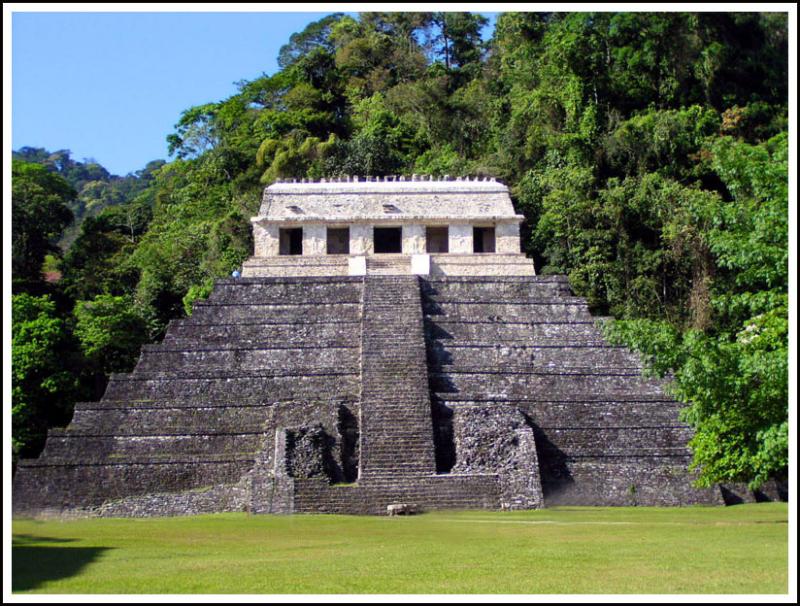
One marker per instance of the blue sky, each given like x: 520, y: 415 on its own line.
x: 111, y: 86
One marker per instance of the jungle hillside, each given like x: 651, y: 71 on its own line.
x: 647, y: 151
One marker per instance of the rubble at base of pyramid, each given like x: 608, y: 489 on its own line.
x: 388, y: 349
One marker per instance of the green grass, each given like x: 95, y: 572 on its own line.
x: 742, y: 549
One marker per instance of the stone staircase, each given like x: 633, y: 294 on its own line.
x: 388, y: 265
x: 396, y: 436
x: 426, y: 492
x: 397, y: 460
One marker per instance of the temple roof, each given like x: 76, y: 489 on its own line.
x: 381, y: 200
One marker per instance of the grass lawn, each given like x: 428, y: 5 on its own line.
x: 741, y: 549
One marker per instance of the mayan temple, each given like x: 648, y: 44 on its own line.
x: 388, y: 345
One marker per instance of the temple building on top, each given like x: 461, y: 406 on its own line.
x: 413, y: 225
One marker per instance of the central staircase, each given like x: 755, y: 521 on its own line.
x: 388, y: 265
x: 397, y: 434
x: 397, y: 461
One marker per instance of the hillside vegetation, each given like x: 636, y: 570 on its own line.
x: 647, y: 151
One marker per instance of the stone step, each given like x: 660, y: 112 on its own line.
x: 378, y: 262
x: 231, y: 373
x: 606, y: 441
x: 491, y: 332
x: 598, y: 414
x: 80, y: 485
x: 545, y: 310
x: 489, y: 288
x: 510, y: 279
x: 277, y: 281
x: 372, y: 495
x: 536, y: 370
x: 507, y: 385
x: 528, y: 300
x: 151, y: 421
x: 222, y: 314
x: 388, y: 265
x: 565, y: 398
x: 240, y: 360
x: 72, y: 446
x: 323, y: 334
x: 653, y: 481
x: 287, y: 292
x: 442, y: 355
x: 250, y: 387
x: 122, y: 461
x: 255, y: 400
x: 380, y: 444
x: 481, y: 264
x: 293, y: 266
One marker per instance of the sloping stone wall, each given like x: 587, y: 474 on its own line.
x: 184, y: 432
x: 604, y: 434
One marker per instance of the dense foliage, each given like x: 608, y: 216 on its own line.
x: 39, y: 213
x: 734, y: 374
x: 95, y: 188
x: 44, y: 384
x: 646, y: 150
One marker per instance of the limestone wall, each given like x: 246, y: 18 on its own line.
x: 267, y: 242
x: 413, y: 239
x: 314, y: 239
x: 460, y: 238
x: 507, y: 238
x: 295, y: 266
x: 361, y: 242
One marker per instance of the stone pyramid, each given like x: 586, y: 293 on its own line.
x: 349, y: 394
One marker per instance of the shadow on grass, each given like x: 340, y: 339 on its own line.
x: 37, y: 560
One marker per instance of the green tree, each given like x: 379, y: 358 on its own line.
x: 458, y: 38
x: 302, y: 43
x: 39, y: 214
x: 43, y: 363
x: 97, y: 261
x: 110, y: 333
x: 96, y: 188
x: 734, y: 374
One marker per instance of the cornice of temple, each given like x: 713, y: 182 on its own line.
x: 405, y: 183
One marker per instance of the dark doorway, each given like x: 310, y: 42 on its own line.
x: 443, y: 438
x: 388, y: 239
x: 338, y: 241
x: 291, y: 241
x: 483, y: 239
x: 437, y: 239
x: 348, y: 432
